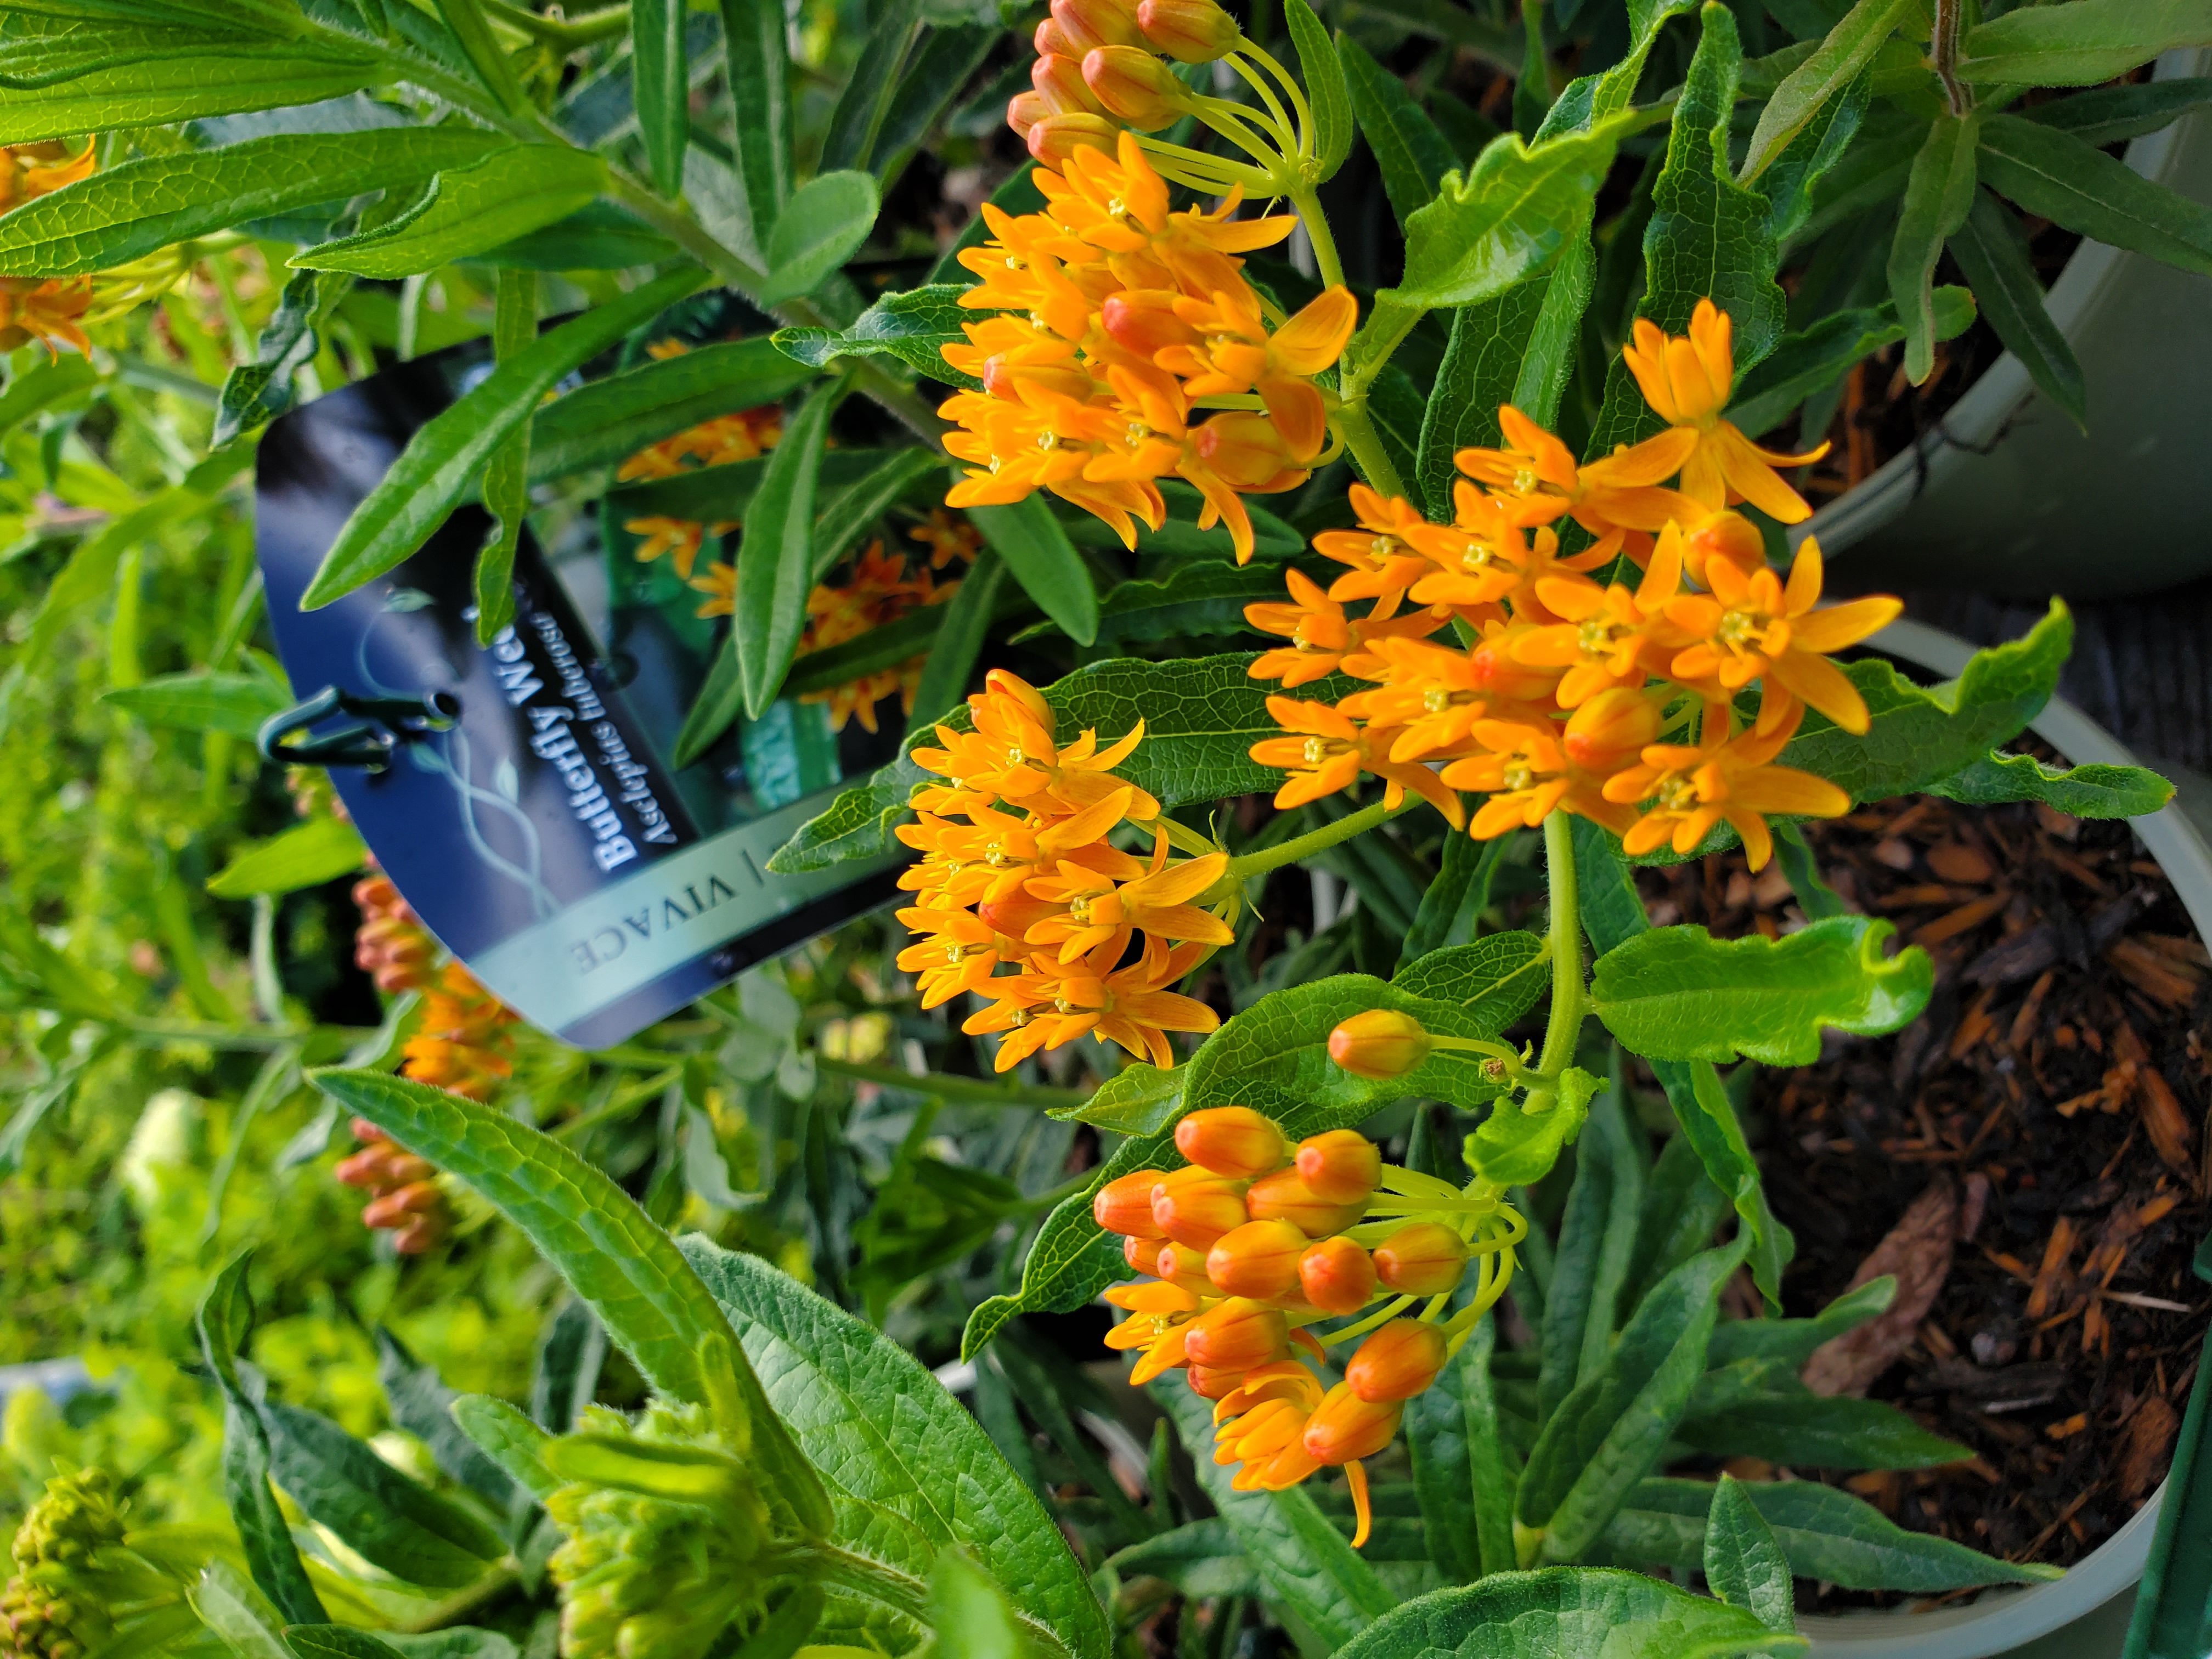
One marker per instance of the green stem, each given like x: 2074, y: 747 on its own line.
x: 1244, y: 867
x: 1943, y: 57
x: 456, y: 1608
x: 567, y: 34
x: 825, y: 1563
x: 253, y: 1040
x: 963, y: 1090
x: 1331, y: 269
x: 1366, y: 445
x: 1568, y: 1004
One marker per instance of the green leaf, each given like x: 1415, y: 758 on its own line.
x: 258, y: 392
x: 126, y: 212
x: 1744, y: 1565
x: 509, y: 1439
x: 305, y: 855
x: 1027, y: 536
x: 886, y: 1432
x: 1832, y: 66
x: 959, y: 642
x: 726, y: 491
x: 1496, y: 979
x: 970, y: 1613
x: 1606, y: 1432
x: 2112, y: 115
x: 756, y: 67
x: 1515, y: 1147
x: 1139, y: 1099
x: 1200, y: 1558
x: 852, y: 511
x: 869, y: 652
x: 2059, y: 177
x: 507, y: 475
x: 1514, y: 212
x: 1597, y: 1232
x: 440, y: 463
x: 1195, y: 599
x: 226, y: 1314
x: 1938, y: 195
x: 1201, y: 717
x: 1809, y: 1431
x: 775, y: 559
x: 595, y: 1237
x: 422, y: 1404
x: 598, y: 236
x: 1807, y: 363
x: 2081, y: 792
x: 1991, y: 249
x: 469, y: 209
x: 336, y: 1642
x: 914, y: 327
x: 2078, y: 44
x: 1679, y: 993
x: 1408, y: 146
x: 1566, y: 1613
x: 1682, y: 1206
x: 660, y: 72
x: 1459, y: 1469
x: 1306, y: 1564
x: 1709, y: 237
x: 1326, y: 91
x: 1452, y: 908
x: 823, y: 226
x: 615, y: 417
x: 864, y: 104
x: 187, y: 83
x: 235, y: 1610
x: 1791, y: 1341
x: 203, y: 701
x: 377, y: 1512
x: 1824, y: 1531
x: 1919, y: 738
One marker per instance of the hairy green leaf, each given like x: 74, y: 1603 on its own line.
x: 1744, y: 1565
x: 615, y: 417
x: 171, y: 85
x: 865, y: 104
x: 1327, y: 93
x: 960, y: 640
x: 1564, y: 1612
x: 1832, y: 66
x: 422, y: 1405
x: 469, y: 209
x: 914, y: 326
x: 1991, y: 249
x: 2081, y: 792
x: 660, y: 72
x: 1810, y: 1430
x: 822, y: 226
x: 1194, y: 600
x: 1938, y: 195
x: 757, y: 65
x: 305, y: 855
x: 260, y: 390
x: 2079, y: 44
x: 203, y: 701
x: 1804, y: 364
x: 2112, y: 115
x: 1413, y: 154
x: 1042, y: 559
x: 2064, y: 178
x: 775, y: 559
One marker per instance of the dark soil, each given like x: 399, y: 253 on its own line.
x: 2056, y: 1086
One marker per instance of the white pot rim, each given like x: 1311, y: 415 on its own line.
x: 2000, y: 1621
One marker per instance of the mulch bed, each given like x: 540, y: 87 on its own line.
x: 2034, y: 1148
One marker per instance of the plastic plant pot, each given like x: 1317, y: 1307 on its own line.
x: 2005, y: 494
x: 2062, y: 1617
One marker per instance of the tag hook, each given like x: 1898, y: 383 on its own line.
x: 384, y: 723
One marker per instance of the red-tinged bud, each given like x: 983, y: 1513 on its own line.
x: 1285, y: 1196
x: 1051, y: 41
x: 1058, y: 81
x: 1209, y: 1384
x: 1258, y: 1259
x: 1339, y: 1166
x: 1422, y: 1259
x: 1094, y: 24
x: 1493, y: 670
x: 1237, y: 1335
x: 420, y: 1234
x: 1182, y: 1267
x: 1142, y: 321
x: 396, y: 1206
x: 1396, y: 1363
x: 1724, y: 535
x: 1056, y: 137
x: 1337, y: 1276
x: 1195, y: 1206
x: 1611, y: 729
x: 1023, y: 111
x: 1189, y: 30
x: 1231, y: 1141
x: 1344, y: 1428
x: 1382, y: 1043
x: 1140, y: 1254
x: 1135, y: 86
x: 1124, y: 1204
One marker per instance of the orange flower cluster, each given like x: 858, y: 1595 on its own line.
x: 1018, y: 870
x: 1256, y: 1240
x: 1098, y: 71
x: 1121, y: 323
x: 1569, y: 694
x: 30, y: 308
x: 404, y: 1192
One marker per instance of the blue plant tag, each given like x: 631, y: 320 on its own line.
x: 540, y: 834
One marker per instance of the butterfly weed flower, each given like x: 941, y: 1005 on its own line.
x: 1566, y: 690
x: 86, y: 1584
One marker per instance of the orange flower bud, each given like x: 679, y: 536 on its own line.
x: 1094, y: 24
x: 1231, y: 1141
x: 1344, y: 1427
x: 1285, y: 1196
x: 1209, y: 1384
x: 1195, y: 1206
x: 1422, y: 1259
x: 1056, y: 137
x: 1058, y: 81
x: 1339, y: 1166
x: 1379, y: 1043
x: 1189, y: 30
x: 1237, y: 1335
x: 394, y: 1207
x: 1144, y: 321
x: 1259, y: 1259
x: 1125, y: 1206
x: 1140, y: 1253
x: 1612, y: 730
x: 1182, y: 1267
x: 1134, y: 85
x: 1051, y: 41
x: 1337, y: 1276
x: 1397, y: 1362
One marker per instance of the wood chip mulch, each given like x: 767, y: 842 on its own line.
x: 2030, y: 1157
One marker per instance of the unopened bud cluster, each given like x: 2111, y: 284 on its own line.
x: 61, y: 1602
x: 1099, y: 70
x: 1257, y: 1239
x: 402, y: 1189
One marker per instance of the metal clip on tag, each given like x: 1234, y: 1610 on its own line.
x: 397, y: 720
